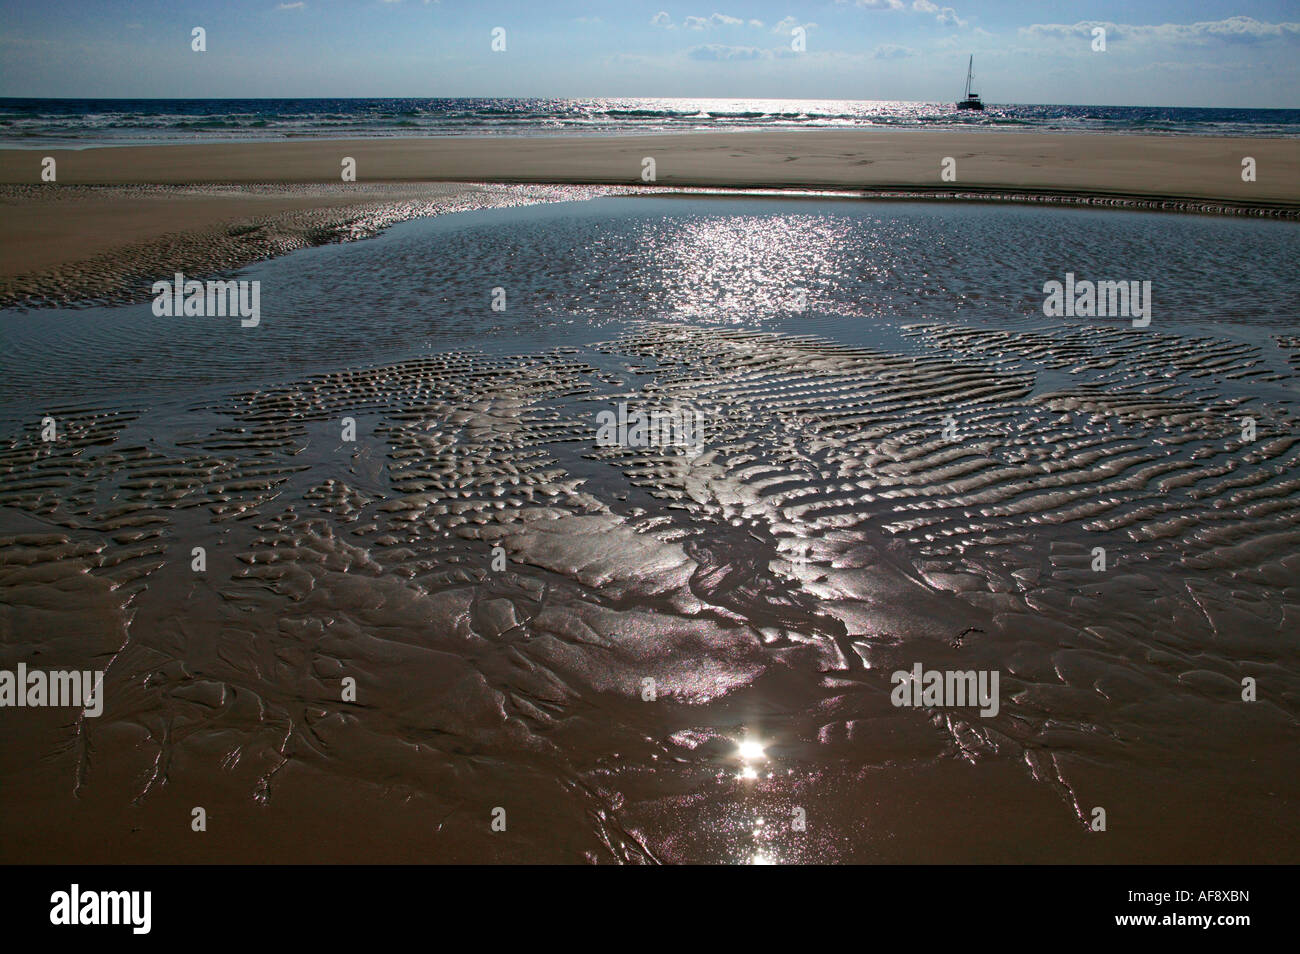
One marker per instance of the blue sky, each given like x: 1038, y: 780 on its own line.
x: 1186, y: 53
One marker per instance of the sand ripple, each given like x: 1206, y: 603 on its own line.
x: 828, y: 533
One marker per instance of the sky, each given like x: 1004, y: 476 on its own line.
x: 1158, y: 53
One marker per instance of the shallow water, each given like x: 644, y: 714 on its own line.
x: 904, y: 461
x: 571, y: 270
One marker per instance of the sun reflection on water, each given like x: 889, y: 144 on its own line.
x: 751, y: 750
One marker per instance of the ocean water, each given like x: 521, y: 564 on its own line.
x: 44, y: 122
x: 650, y: 653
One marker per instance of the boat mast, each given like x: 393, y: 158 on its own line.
x: 969, y: 66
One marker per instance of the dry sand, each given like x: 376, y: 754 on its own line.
x: 1184, y: 166
x: 38, y: 235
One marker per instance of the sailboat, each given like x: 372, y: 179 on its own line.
x: 972, y: 100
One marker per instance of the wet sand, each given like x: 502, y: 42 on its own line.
x: 827, y: 536
x: 76, y: 245
x: 829, y: 533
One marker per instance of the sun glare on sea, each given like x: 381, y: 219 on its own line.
x: 738, y: 266
x: 751, y: 750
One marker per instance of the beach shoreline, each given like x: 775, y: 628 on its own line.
x: 116, y: 213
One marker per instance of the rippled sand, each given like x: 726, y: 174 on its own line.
x: 828, y: 534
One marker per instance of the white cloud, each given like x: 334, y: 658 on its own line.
x: 1238, y: 30
x: 716, y: 20
x: 716, y: 52
x: 891, y: 51
x: 662, y: 19
x: 292, y: 6
x: 947, y: 16
x: 788, y: 24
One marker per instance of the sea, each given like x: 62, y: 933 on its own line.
x: 91, y: 122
